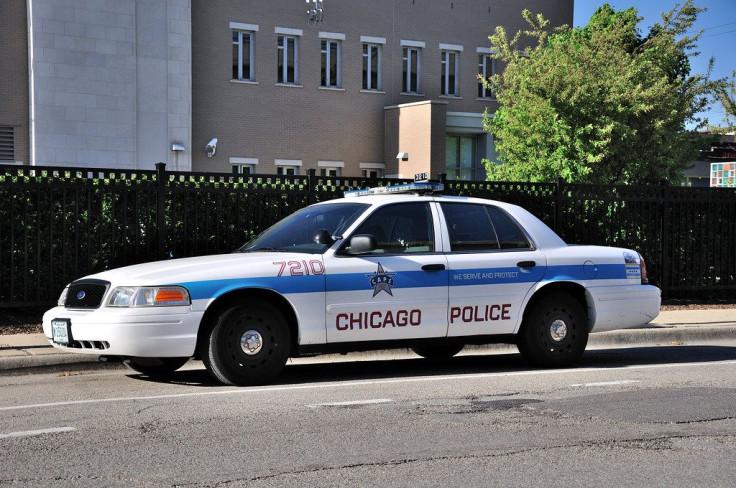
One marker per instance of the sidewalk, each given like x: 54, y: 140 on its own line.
x: 22, y: 353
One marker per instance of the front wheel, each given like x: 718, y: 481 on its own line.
x: 248, y: 345
x: 555, y: 332
x: 155, y: 366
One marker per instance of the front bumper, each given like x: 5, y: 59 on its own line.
x: 621, y: 307
x: 134, y: 332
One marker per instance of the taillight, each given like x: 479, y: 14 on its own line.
x: 643, y: 269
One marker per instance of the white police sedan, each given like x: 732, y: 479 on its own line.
x: 391, y: 267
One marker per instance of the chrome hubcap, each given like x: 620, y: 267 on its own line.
x: 251, y: 342
x: 558, y: 330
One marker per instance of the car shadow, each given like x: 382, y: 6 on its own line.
x: 388, y: 368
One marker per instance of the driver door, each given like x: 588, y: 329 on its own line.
x: 399, y: 290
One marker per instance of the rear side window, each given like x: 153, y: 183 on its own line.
x: 470, y: 227
x: 509, y: 234
x: 474, y: 227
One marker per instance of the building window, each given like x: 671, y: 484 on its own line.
x: 460, y: 157
x: 486, y: 68
x: 244, y: 169
x: 329, y: 172
x: 288, y: 50
x: 372, y: 173
x: 330, y: 63
x: 243, y: 56
x: 449, y: 73
x: 7, y: 145
x: 287, y: 170
x: 412, y: 58
x: 371, y: 66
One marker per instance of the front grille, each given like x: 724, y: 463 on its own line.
x: 86, y: 294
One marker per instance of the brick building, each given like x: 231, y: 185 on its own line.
x: 124, y: 83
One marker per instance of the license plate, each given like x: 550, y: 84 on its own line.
x: 60, y: 331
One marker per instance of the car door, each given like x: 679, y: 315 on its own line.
x: 492, y: 266
x: 397, y: 290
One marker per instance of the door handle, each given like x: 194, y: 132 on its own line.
x: 433, y: 267
x: 526, y: 264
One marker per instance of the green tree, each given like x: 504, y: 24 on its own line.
x: 599, y: 103
x: 726, y: 95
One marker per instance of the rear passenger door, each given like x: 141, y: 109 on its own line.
x: 492, y: 266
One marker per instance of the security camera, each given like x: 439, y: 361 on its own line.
x: 211, y: 147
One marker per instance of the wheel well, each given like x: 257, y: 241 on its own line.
x: 238, y: 296
x: 573, y: 289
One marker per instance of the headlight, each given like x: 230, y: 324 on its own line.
x: 62, y: 298
x: 148, y: 296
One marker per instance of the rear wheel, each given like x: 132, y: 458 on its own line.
x: 155, y: 366
x: 438, y: 353
x: 555, y: 332
x: 248, y: 345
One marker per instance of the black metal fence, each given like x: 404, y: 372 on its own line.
x: 58, y: 224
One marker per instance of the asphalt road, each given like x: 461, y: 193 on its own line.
x: 646, y: 416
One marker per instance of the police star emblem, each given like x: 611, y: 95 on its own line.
x: 381, y: 281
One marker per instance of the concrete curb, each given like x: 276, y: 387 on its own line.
x: 50, y: 361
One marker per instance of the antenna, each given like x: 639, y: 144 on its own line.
x: 315, y: 10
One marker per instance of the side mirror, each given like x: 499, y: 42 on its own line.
x: 324, y: 237
x: 361, y: 244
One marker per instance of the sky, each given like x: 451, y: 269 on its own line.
x: 718, y: 40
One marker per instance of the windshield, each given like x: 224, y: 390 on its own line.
x: 297, y: 231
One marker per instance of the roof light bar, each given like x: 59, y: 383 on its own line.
x: 429, y: 187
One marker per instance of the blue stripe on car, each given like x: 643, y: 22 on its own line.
x: 405, y: 279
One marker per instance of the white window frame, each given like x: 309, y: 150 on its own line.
x: 408, y: 47
x: 450, y: 67
x: 326, y: 60
x: 367, y: 168
x: 367, y: 58
x: 331, y: 166
x: 241, y: 164
x: 284, y: 165
x: 245, y: 30
x: 484, y: 61
x: 284, y: 34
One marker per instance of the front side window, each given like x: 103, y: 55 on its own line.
x: 296, y: 232
x: 371, y: 66
x: 449, y: 73
x: 412, y: 70
x: 243, y: 55
x: 331, y: 64
x: 287, y: 60
x: 400, y: 228
x: 486, y: 68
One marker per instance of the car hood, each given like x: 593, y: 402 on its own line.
x: 204, y: 268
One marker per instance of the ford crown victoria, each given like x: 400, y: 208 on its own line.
x: 391, y: 267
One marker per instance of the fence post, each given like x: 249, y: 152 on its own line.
x: 559, y: 199
x: 160, y: 208
x: 664, y: 260
x: 311, y: 183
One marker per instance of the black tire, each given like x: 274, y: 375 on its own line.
x: 438, y: 353
x: 226, y: 359
x: 155, y: 366
x: 536, y: 340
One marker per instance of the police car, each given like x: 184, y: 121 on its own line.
x: 398, y: 266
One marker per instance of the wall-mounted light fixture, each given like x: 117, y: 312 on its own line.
x: 177, y: 146
x: 404, y: 156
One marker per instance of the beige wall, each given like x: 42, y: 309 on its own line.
x: 270, y: 122
x: 14, y: 73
